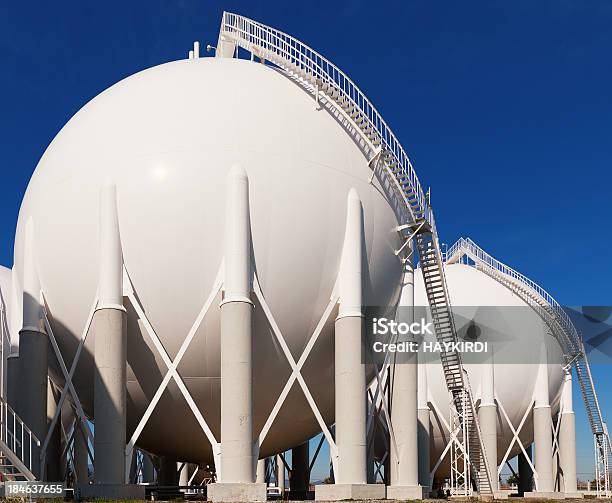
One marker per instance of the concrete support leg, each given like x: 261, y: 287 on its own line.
x: 300, y: 476
x: 280, y: 475
x: 148, y: 469
x: 542, y: 429
x: 424, y: 428
x: 168, y: 474
x: 404, y: 401
x: 261, y: 471
x: 183, y: 474
x: 350, y: 381
x: 33, y: 348
x: 487, y: 417
x: 567, y: 439
x: 237, y: 477
x: 525, y: 483
x: 81, y: 459
x: 54, y: 462
x: 13, y: 387
x: 109, y: 327
x: 12, y: 381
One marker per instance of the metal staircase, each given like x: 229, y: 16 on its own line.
x: 563, y: 329
x: 456, y: 378
x: 17, y: 447
x: 334, y: 90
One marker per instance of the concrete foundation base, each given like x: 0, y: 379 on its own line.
x: 407, y: 492
x: 339, y: 492
x: 574, y: 496
x: 500, y: 495
x: 545, y: 495
x: 109, y: 492
x: 228, y: 491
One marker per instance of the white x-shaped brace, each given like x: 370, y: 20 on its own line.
x: 68, y: 388
x: 172, y: 372
x: 171, y: 365
x: 555, y: 431
x: 296, y: 368
x: 515, y: 438
x: 453, y: 439
x: 385, y: 369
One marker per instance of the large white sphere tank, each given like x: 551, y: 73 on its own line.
x: 499, y: 315
x: 167, y: 137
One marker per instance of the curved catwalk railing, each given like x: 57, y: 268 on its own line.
x: 330, y: 85
x: 563, y: 329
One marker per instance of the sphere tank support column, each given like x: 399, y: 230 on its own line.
x: 525, y: 473
x: 81, y: 456
x: 33, y: 348
x: 110, y: 349
x: 300, y: 476
x: 238, y: 457
x: 280, y: 475
x: 567, y: 438
x: 542, y: 429
x: 261, y: 471
x: 424, y: 426
x: 404, y: 417
x: 350, y: 378
x: 487, y: 417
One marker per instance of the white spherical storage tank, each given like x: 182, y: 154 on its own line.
x: 499, y: 315
x: 167, y: 138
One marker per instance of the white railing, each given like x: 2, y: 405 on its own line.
x: 18, y: 437
x: 13, y: 432
x: 467, y: 247
x: 265, y: 41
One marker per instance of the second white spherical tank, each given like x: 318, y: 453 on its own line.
x: 503, y: 317
x: 167, y: 138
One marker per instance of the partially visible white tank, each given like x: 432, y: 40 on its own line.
x: 469, y: 290
x: 6, y: 289
x: 167, y: 137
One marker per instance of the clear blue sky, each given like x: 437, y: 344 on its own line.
x: 504, y: 107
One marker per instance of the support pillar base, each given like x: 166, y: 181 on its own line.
x: 230, y: 491
x: 545, y: 495
x: 109, y: 492
x: 339, y: 492
x: 407, y: 492
x: 500, y: 495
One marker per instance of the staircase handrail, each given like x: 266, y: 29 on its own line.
x: 574, y: 343
x: 254, y: 36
